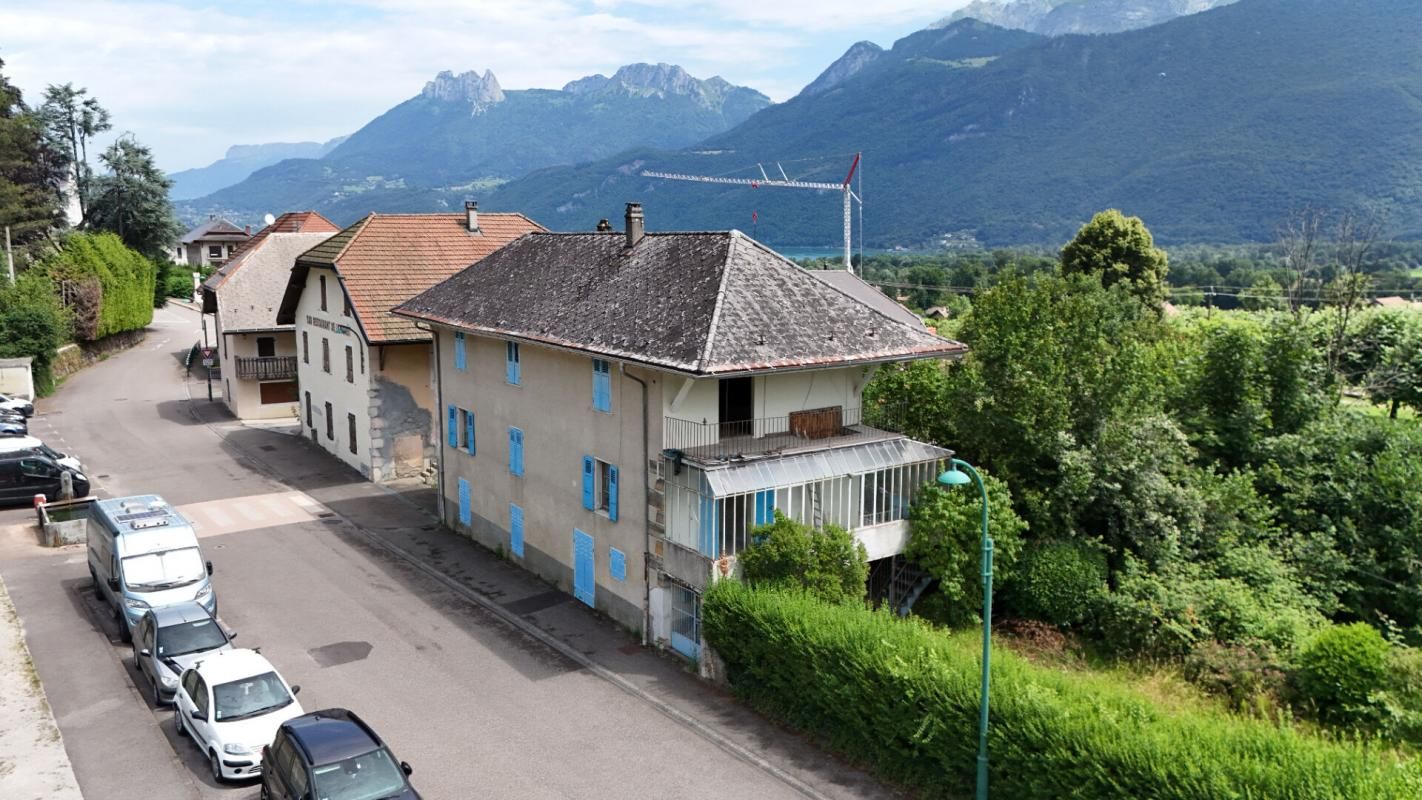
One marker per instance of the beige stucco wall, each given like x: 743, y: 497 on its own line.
x: 344, y: 397
x: 553, y: 406
x: 243, y: 397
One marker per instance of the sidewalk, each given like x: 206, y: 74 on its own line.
x: 33, y: 762
x: 400, y: 519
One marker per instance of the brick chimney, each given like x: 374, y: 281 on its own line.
x: 636, y: 224
x: 471, y: 215
x: 247, y: 229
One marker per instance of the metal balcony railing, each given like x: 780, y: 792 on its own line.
x: 266, y: 368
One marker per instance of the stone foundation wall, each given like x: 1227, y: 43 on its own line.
x: 71, y: 358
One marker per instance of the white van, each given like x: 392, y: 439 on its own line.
x: 142, y: 555
x: 18, y: 444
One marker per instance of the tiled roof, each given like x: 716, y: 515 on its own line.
x: 215, y: 228
x: 854, y: 286
x: 385, y: 259
x: 697, y: 303
x: 247, y: 296
x: 290, y: 222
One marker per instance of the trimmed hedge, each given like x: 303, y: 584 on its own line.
x: 126, y: 276
x: 904, y: 698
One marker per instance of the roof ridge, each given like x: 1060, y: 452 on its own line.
x: 720, y: 300
x: 363, y: 223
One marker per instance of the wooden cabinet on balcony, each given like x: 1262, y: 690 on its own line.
x: 266, y: 368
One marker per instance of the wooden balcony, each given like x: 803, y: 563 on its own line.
x: 269, y: 368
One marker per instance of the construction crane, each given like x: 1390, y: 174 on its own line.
x: 784, y: 181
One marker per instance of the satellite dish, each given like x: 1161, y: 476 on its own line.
x: 269, y: 219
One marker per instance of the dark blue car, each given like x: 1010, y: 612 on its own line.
x: 334, y: 755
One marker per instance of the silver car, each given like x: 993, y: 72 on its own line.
x: 169, y: 639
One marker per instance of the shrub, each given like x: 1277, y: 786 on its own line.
x: 1342, y: 673
x: 33, y: 324
x: 1058, y: 582
x: 127, y: 278
x: 828, y: 563
x: 1248, y: 676
x: 945, y: 539
x: 903, y: 697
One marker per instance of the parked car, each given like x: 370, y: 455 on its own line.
x: 333, y: 754
x: 13, y: 403
x: 142, y: 555
x: 26, y: 445
x: 231, y: 704
x: 14, y: 428
x: 169, y: 639
x: 24, y: 475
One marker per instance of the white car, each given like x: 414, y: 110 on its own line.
x: 231, y: 704
x: 16, y: 444
x: 10, y: 402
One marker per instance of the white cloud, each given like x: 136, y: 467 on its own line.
x: 191, y: 80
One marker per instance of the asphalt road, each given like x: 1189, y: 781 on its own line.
x: 477, y: 709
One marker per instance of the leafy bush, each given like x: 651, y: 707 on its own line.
x: 945, y: 539
x: 33, y: 324
x: 828, y: 563
x: 1058, y: 582
x: 1248, y: 676
x: 904, y: 698
x: 126, y: 276
x: 1342, y: 672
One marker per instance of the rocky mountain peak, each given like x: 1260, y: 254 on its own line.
x: 857, y: 57
x: 656, y: 80
x: 480, y: 91
x: 1059, y: 17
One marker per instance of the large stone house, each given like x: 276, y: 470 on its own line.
x: 620, y: 409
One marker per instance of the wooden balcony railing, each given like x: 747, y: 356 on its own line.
x: 266, y: 368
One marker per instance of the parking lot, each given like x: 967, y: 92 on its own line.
x: 315, y: 568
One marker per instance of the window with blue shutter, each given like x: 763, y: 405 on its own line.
x: 516, y: 452
x: 765, y: 507
x: 459, y: 354
x: 602, y: 385
x: 452, y: 430
x: 469, y: 432
x: 588, y: 494
x: 710, y: 528
x: 617, y: 564
x: 511, y: 367
x: 466, y: 511
x: 516, y: 530
x: 612, y: 493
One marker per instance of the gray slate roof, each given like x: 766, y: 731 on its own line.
x: 697, y: 303
x: 215, y: 228
x: 249, y: 289
x: 854, y: 286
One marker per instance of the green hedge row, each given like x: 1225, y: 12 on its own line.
x: 904, y: 698
x: 126, y: 277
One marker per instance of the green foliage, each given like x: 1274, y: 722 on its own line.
x: 945, y: 535
x: 1117, y: 249
x: 904, y: 699
x: 828, y: 563
x: 31, y: 172
x: 33, y: 324
x: 131, y: 200
x: 127, y: 279
x: 1342, y: 670
x: 1058, y: 582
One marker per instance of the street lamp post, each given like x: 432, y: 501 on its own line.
x: 961, y: 474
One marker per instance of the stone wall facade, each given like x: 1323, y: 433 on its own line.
x: 71, y: 358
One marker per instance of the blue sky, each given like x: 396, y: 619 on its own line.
x: 192, y: 78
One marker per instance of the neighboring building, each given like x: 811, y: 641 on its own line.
x: 210, y: 243
x: 619, y: 409
x: 366, y: 376
x: 938, y: 312
x: 258, y: 356
x: 1395, y: 302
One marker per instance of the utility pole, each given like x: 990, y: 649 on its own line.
x: 9, y: 256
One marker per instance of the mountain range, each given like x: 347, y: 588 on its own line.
x: 1211, y: 126
x: 240, y: 161
x: 1060, y: 17
x: 464, y: 133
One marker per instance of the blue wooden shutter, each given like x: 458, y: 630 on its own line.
x: 511, y: 371
x: 453, y: 427
x: 612, y: 493
x: 602, y: 385
x: 588, y: 467
x: 466, y: 512
x: 469, y: 431
x: 516, y: 530
x: 765, y: 507
x: 710, y: 529
x: 617, y: 564
x: 516, y: 451
x: 459, y: 356
x: 584, y: 566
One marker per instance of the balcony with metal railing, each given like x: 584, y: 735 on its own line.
x: 266, y: 368
x: 832, y: 426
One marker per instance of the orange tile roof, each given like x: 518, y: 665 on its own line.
x: 390, y: 258
x: 290, y: 222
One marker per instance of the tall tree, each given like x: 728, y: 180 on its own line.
x: 1119, y: 249
x: 71, y: 119
x: 1299, y: 237
x: 31, y: 173
x: 131, y: 200
x: 1356, y: 234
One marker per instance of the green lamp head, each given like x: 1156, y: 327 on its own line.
x: 954, y: 477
